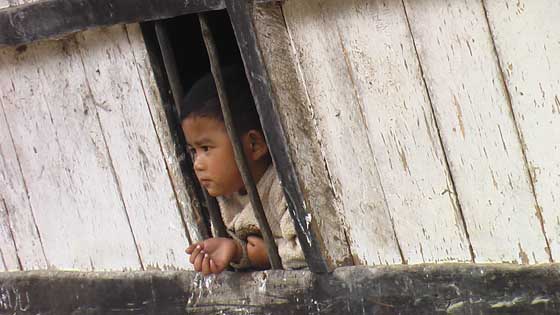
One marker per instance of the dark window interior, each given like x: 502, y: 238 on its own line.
x: 188, y: 45
x: 192, y: 62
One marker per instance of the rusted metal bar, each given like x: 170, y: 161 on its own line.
x: 240, y: 158
x: 242, y: 20
x: 178, y: 93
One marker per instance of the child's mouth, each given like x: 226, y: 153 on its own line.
x: 205, y: 182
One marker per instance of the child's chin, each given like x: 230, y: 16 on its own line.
x: 214, y: 192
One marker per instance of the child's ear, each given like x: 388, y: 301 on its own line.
x: 255, y: 144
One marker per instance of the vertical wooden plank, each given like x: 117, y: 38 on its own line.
x: 296, y: 115
x: 183, y: 190
x: 527, y: 39
x: 386, y: 78
x: 528, y: 45
x: 134, y: 147
x: 13, y: 193
x: 8, y: 251
x: 64, y: 159
x: 478, y: 131
x: 342, y: 133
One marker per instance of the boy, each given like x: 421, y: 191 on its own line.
x: 217, y: 172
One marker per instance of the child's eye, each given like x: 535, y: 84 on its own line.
x: 205, y: 148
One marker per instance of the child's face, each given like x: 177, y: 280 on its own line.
x: 213, y: 157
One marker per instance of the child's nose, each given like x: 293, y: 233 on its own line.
x: 198, y: 164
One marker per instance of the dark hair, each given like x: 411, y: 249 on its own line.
x: 202, y: 100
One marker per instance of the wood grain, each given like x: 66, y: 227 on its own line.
x: 297, y: 121
x: 14, y: 197
x: 136, y: 155
x: 64, y: 159
x: 184, y: 192
x: 8, y: 251
x: 56, y: 18
x: 387, y: 81
x: 339, y: 128
x: 528, y: 45
x: 478, y: 130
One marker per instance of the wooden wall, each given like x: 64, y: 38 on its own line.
x: 88, y: 177
x: 437, y: 122
x: 421, y: 131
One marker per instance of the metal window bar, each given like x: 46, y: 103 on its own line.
x: 178, y: 94
x: 241, y: 14
x: 240, y: 158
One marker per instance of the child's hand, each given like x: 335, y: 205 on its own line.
x: 214, y: 255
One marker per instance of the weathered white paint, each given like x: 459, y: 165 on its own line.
x: 340, y: 121
x: 296, y: 114
x: 478, y: 130
x: 398, y: 117
x: 136, y: 154
x: 14, y: 3
x: 164, y: 134
x: 8, y: 252
x: 527, y: 38
x: 14, y: 198
x: 63, y: 158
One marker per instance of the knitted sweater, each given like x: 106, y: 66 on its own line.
x: 240, y: 220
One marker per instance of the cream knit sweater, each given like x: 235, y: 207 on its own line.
x: 238, y: 216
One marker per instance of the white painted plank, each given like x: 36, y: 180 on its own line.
x: 165, y: 136
x: 4, y: 4
x: 340, y: 128
x: 64, y: 159
x: 527, y: 38
x: 134, y: 148
x: 8, y: 252
x: 14, y: 193
x: 408, y: 153
x: 296, y: 115
x: 478, y: 130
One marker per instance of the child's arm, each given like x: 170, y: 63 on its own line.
x: 257, y: 253
x: 215, y: 254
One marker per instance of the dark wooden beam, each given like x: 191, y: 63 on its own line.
x: 55, y: 18
x: 422, y: 289
x: 242, y: 21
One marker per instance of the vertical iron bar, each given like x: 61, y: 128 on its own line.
x: 240, y: 158
x: 178, y: 93
x: 215, y: 215
x: 308, y: 234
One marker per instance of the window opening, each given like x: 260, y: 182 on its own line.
x: 240, y: 157
x: 189, y: 49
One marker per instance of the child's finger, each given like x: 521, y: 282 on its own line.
x: 196, y: 251
x: 190, y: 249
x: 214, y: 268
x: 198, y: 262
x: 206, y: 265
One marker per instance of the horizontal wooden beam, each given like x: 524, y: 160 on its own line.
x: 420, y: 289
x: 55, y: 18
